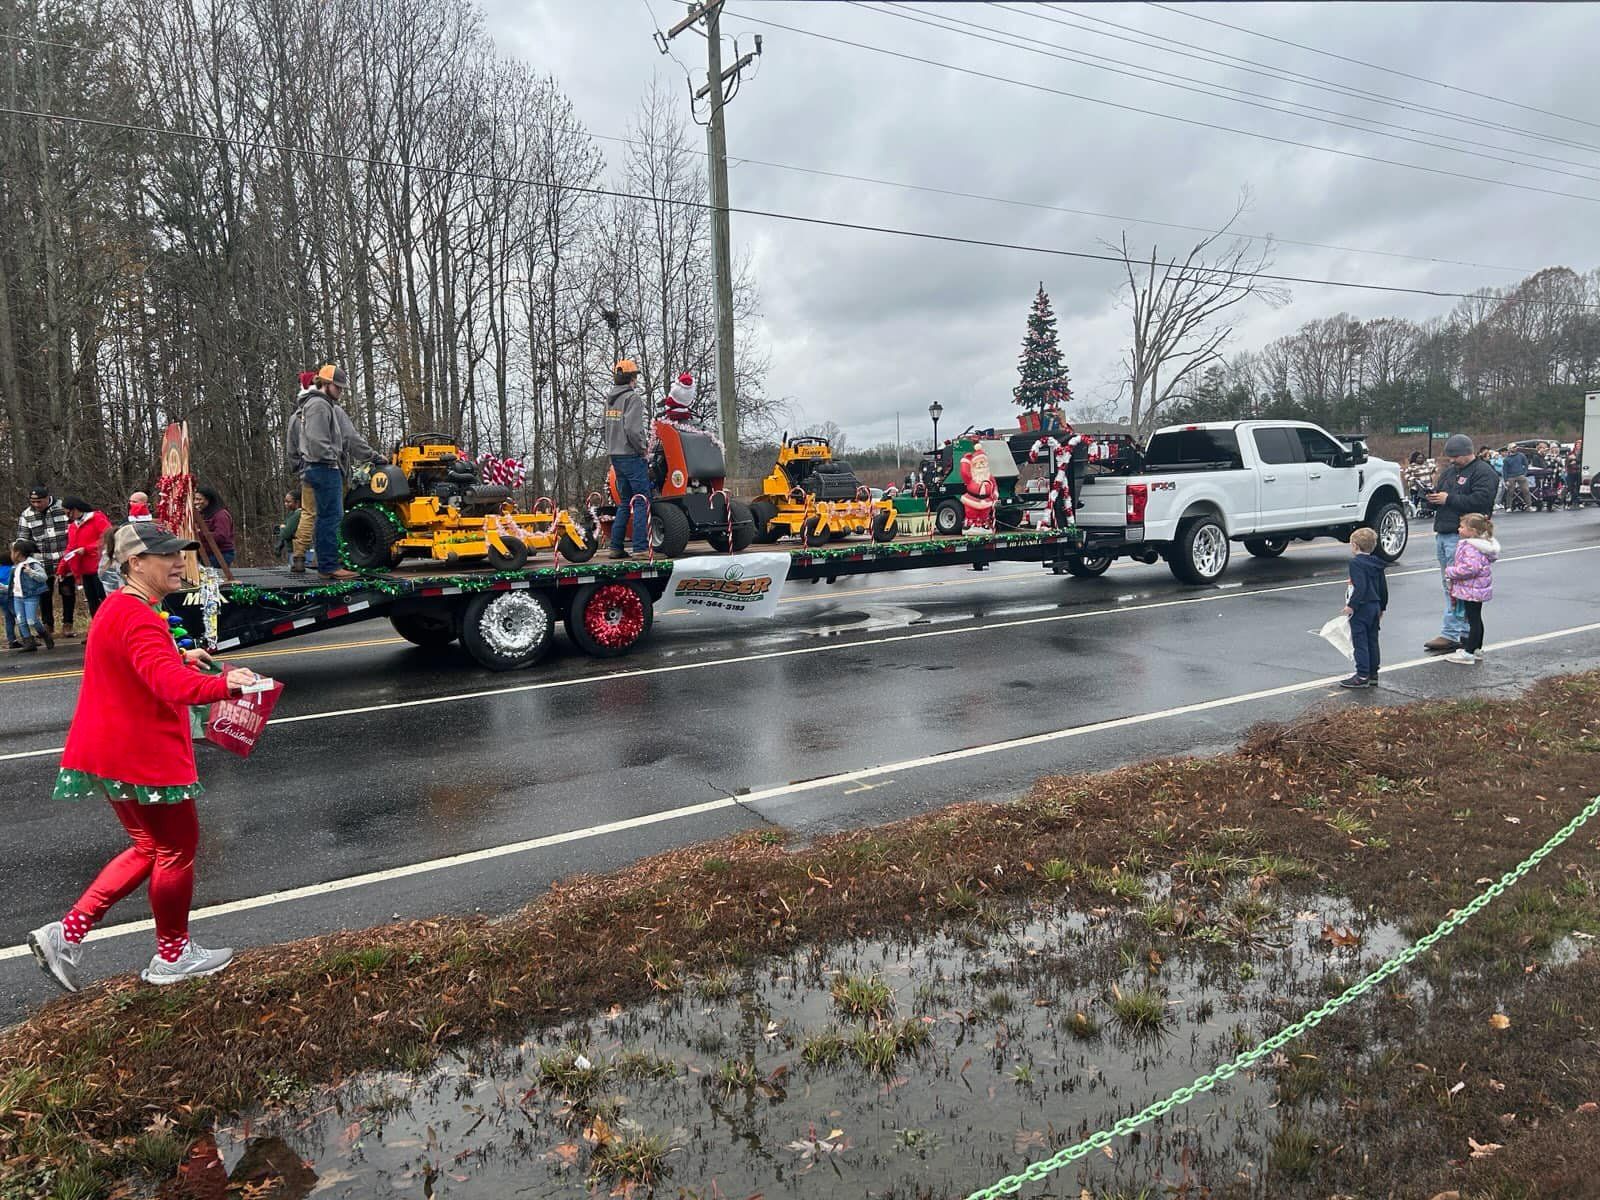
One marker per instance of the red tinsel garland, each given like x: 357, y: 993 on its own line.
x: 614, y: 615
x: 174, y: 501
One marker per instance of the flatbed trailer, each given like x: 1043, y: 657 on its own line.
x: 506, y: 619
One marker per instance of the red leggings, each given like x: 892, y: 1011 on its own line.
x: 164, y: 840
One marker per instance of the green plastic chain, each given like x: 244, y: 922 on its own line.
x: 1034, y: 1172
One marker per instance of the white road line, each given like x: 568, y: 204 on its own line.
x: 774, y: 793
x: 957, y: 631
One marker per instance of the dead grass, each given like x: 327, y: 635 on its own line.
x: 86, y: 1073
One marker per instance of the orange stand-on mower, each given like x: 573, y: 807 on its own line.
x: 688, y: 496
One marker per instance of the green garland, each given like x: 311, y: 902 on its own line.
x: 1021, y: 537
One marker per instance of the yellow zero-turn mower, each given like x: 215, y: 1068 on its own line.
x: 431, y: 502
x: 816, y: 497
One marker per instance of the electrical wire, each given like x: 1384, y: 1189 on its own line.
x: 1057, y: 208
x: 1148, y: 75
x: 1375, y: 66
x: 768, y: 214
x: 1152, y: 112
x: 1273, y: 71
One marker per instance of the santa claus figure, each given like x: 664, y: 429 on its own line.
x: 678, y: 407
x: 981, y: 490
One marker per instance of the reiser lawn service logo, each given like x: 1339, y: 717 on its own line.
x: 733, y: 588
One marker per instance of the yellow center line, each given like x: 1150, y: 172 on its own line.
x: 243, y: 654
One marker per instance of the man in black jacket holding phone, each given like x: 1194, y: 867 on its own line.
x: 1465, y: 485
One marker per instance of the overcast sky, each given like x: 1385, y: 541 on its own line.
x: 863, y: 325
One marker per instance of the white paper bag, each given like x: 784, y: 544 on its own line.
x: 1337, y: 634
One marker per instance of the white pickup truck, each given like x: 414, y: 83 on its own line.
x: 1263, y: 483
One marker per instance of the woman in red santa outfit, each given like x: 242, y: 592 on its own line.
x: 129, y: 743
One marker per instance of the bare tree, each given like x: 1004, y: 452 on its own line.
x: 1182, y: 312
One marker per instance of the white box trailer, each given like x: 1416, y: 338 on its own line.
x: 1591, y: 443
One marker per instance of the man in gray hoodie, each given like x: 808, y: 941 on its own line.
x: 626, y: 443
x: 329, y: 444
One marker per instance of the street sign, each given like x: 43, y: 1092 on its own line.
x: 1439, y: 433
x: 1411, y: 429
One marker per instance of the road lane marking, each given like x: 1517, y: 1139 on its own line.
x: 233, y: 656
x: 860, y: 643
x: 780, y: 791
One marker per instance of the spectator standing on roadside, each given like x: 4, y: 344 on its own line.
x: 1471, y: 578
x: 29, y: 582
x: 81, y: 562
x: 626, y: 443
x: 44, y: 523
x: 1366, y: 598
x: 306, y: 526
x: 218, y: 520
x: 1465, y: 485
x: 1575, y: 476
x: 289, y: 528
x: 129, y: 744
x: 1515, y: 465
x: 139, y: 507
x: 329, y: 444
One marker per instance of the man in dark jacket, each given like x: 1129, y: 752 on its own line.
x: 626, y: 443
x: 1515, y: 466
x: 1465, y: 485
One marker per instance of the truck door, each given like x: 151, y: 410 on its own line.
x: 1282, y: 476
x: 1333, y: 494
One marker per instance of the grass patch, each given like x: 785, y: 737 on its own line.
x: 633, y: 1157
x: 862, y: 996
x: 1139, y: 1010
x: 1294, y: 1152
x: 828, y: 1048
x: 1083, y: 1026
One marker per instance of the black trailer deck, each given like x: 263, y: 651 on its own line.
x: 506, y: 619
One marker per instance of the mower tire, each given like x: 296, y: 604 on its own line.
x: 571, y: 551
x: 744, y: 530
x: 429, y: 629
x: 514, y: 558
x: 506, y: 631
x: 369, y: 538
x: 762, y: 512
x: 883, y: 527
x: 610, y: 618
x: 669, y: 529
x: 814, y: 533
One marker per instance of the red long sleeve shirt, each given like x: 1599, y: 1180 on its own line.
x: 131, y: 722
x: 85, y: 535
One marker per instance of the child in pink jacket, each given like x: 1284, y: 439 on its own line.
x: 1471, y: 578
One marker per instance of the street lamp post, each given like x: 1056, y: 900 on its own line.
x: 936, y: 410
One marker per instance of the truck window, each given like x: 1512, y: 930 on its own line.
x: 1319, y: 447
x: 1194, y: 449
x: 1277, y: 446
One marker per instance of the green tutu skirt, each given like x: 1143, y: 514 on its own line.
x: 83, y: 785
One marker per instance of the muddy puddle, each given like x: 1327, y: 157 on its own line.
x: 916, y: 1066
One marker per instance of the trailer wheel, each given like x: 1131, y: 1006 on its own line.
x: 514, y: 558
x: 506, y: 631
x: 883, y: 526
x: 428, y: 629
x: 369, y: 538
x: 949, y: 517
x: 1200, y: 552
x: 762, y: 512
x: 1266, y: 547
x: 814, y: 533
x: 609, y: 619
x: 571, y: 551
x: 1087, y: 566
x: 669, y: 529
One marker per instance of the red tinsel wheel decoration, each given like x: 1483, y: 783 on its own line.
x: 174, y: 501
x: 614, y: 616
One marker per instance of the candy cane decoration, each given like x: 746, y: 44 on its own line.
x: 1061, y: 481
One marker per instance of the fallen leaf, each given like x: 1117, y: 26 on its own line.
x: 1589, y: 1106
x: 1458, y: 1087
x: 1342, y: 936
x: 614, y: 1012
x: 1451, y: 1195
x: 1482, y: 1149
x: 566, y: 1154
x: 1513, y: 820
x: 1499, y: 1021
x: 1028, y: 1139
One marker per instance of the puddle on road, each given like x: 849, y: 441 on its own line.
x: 995, y: 1043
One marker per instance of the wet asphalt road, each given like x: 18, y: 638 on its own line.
x: 895, y: 671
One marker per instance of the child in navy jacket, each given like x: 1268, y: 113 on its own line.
x: 1365, y: 600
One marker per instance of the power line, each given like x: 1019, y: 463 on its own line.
x: 796, y: 218
x: 1376, y: 66
x: 1151, y: 112
x: 1273, y: 71
x: 1057, y: 208
x: 1201, y: 87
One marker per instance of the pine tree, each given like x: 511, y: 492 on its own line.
x: 1044, y: 375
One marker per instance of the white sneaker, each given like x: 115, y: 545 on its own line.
x: 1464, y: 657
x: 194, y: 962
x: 57, y: 957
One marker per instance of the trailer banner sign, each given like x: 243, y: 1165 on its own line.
x: 732, y: 585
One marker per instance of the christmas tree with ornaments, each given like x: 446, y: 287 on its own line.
x: 1043, y: 386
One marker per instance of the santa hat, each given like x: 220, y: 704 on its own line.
x: 686, y: 379
x: 306, y: 379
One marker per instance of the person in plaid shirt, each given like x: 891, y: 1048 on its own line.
x: 44, y: 523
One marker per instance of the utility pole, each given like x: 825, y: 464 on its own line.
x: 716, y: 89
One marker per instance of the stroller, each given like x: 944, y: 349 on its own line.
x: 1548, y: 486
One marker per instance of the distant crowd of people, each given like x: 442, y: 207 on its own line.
x: 1529, y: 476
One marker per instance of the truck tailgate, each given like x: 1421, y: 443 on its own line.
x: 1103, y: 503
